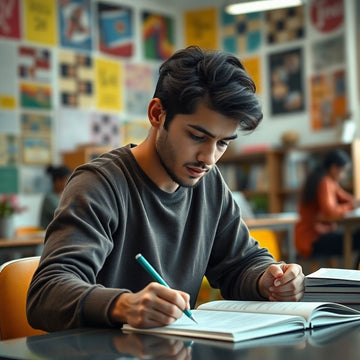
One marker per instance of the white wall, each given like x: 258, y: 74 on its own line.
x: 271, y: 128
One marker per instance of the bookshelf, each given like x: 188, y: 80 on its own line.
x: 283, y: 172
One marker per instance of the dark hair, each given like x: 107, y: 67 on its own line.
x: 58, y: 172
x: 336, y: 157
x: 215, y: 77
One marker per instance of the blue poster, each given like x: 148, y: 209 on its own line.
x: 75, y: 18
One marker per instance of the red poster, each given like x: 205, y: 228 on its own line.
x: 327, y: 15
x: 10, y: 18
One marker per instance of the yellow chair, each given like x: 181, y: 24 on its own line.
x: 267, y: 239
x: 15, y: 277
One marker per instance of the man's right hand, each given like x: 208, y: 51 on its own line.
x: 155, y: 305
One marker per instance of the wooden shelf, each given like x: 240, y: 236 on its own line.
x: 273, y: 161
x: 82, y: 155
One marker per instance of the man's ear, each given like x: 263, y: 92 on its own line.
x: 155, y: 112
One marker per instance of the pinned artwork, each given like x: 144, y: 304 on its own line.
x: 286, y: 81
x: 284, y: 25
x: 75, y: 18
x: 115, y: 29
x: 105, y: 130
x: 158, y: 36
x: 36, y: 150
x: 40, y: 21
x: 328, y: 53
x: 10, y: 19
x: 109, y: 92
x: 9, y: 150
x: 76, y: 83
x: 35, y: 96
x: 201, y: 28
x: 328, y: 99
x: 140, y: 84
x: 34, y: 64
x: 327, y: 16
x: 241, y: 33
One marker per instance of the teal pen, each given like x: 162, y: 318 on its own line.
x: 154, y: 274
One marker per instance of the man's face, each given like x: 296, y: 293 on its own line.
x: 193, y: 144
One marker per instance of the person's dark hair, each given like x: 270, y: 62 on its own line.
x: 217, y: 78
x: 58, y: 172
x: 336, y: 157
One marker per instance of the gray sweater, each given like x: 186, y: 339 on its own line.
x: 109, y: 212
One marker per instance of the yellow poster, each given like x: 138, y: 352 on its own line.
x: 7, y: 102
x: 108, y: 85
x: 201, y: 29
x: 40, y: 21
x: 252, y: 67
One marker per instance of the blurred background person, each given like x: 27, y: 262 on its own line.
x: 59, y: 176
x: 322, y: 199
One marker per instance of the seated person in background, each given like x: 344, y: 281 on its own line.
x: 59, y: 176
x: 323, y: 198
x: 164, y: 198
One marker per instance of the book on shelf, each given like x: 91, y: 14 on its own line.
x: 234, y: 321
x: 332, y: 284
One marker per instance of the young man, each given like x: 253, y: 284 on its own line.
x: 166, y: 199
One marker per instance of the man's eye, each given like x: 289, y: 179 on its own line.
x: 195, y: 137
x: 223, y: 143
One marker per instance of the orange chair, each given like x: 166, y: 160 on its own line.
x: 15, y: 277
x: 28, y: 230
x: 267, y: 238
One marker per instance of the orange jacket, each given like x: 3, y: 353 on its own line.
x: 331, y: 201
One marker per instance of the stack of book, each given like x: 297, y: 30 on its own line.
x: 335, y: 285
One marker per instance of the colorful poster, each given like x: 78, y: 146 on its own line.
x: 285, y: 25
x: 36, y: 150
x: 253, y: 68
x: 158, y: 36
x: 9, y: 150
x: 329, y: 52
x: 105, y: 129
x: 115, y: 30
x: 327, y: 15
x: 34, y: 64
x: 135, y: 131
x: 36, y: 124
x: 286, y: 80
x: 40, y: 21
x: 75, y: 18
x: 140, y: 86
x: 108, y: 85
x: 10, y: 19
x: 328, y: 99
x: 201, y: 28
x: 76, y: 80
x: 241, y: 33
x: 8, y: 76
x: 35, y: 96
x: 9, y: 183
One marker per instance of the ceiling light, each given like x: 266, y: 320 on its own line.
x: 243, y: 7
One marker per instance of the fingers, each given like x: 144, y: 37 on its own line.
x: 284, y: 282
x: 289, y: 286
x: 155, y: 305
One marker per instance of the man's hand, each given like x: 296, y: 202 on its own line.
x: 283, y: 282
x: 155, y: 305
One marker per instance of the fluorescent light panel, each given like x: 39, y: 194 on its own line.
x: 260, y: 5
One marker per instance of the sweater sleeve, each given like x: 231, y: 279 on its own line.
x: 64, y: 292
x: 333, y: 200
